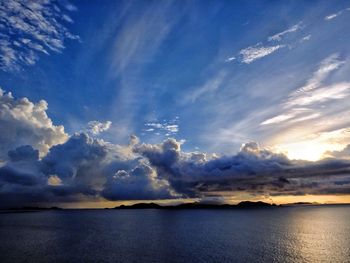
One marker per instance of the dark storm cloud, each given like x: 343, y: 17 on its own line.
x: 69, y: 160
x: 254, y: 170
x: 86, y: 168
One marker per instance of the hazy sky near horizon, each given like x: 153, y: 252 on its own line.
x: 261, y: 85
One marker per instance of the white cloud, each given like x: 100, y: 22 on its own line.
x: 168, y: 127
x: 278, y: 36
x: 253, y: 53
x: 332, y: 92
x: 305, y: 38
x: 332, y: 16
x: 313, y: 93
x: 29, y: 28
x: 23, y: 122
x: 96, y: 127
x: 277, y: 119
x: 327, y: 66
x: 229, y: 59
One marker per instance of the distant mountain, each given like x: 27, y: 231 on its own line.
x: 140, y: 206
x: 241, y: 205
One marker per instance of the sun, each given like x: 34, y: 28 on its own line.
x: 312, y: 150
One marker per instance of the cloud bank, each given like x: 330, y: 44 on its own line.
x: 54, y: 167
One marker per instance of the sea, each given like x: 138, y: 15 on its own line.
x: 282, y: 234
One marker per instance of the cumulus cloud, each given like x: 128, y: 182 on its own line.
x: 31, y: 28
x: 23, y: 122
x: 254, y: 170
x: 250, y: 54
x: 138, y: 183
x: 84, y: 168
x: 96, y: 127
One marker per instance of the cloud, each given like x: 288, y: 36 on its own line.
x: 168, y: 127
x: 141, y: 35
x: 209, y: 86
x: 23, y: 122
x: 342, y: 154
x: 253, y: 170
x: 230, y: 59
x: 277, y: 119
x: 83, y: 168
x: 312, y: 119
x: 313, y: 93
x: 250, y: 54
x: 139, y: 183
x: 305, y: 38
x: 278, y: 36
x: 31, y: 28
x: 334, y: 15
x: 327, y: 66
x: 332, y: 92
x: 96, y: 127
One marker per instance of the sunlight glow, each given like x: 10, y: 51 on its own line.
x: 313, y: 147
x: 308, y: 150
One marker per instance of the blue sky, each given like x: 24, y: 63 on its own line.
x: 213, y: 75
x: 168, y: 63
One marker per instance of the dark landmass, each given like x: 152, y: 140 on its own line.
x: 194, y: 205
x: 241, y: 205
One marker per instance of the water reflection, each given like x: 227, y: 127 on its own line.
x: 297, y: 234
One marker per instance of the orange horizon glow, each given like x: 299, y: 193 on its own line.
x: 279, y: 200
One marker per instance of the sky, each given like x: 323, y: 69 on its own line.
x: 117, y: 101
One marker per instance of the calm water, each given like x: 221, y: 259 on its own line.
x: 298, y: 234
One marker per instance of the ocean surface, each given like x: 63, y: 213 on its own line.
x: 289, y: 234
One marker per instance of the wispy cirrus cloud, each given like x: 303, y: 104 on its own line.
x: 279, y: 36
x: 31, y: 28
x: 327, y: 66
x: 334, y: 15
x: 253, y: 53
x: 320, y: 108
x: 312, y: 92
x: 142, y: 35
x: 209, y: 86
